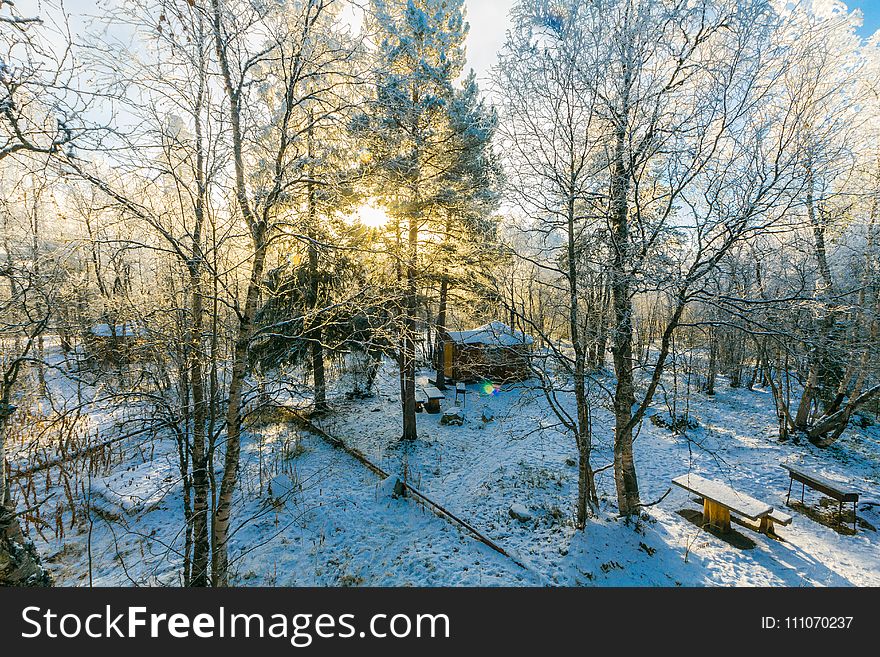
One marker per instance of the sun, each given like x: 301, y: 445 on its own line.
x: 372, y: 215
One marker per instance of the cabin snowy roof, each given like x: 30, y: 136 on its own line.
x: 120, y: 330
x: 496, y: 334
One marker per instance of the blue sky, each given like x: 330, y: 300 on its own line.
x: 871, y: 11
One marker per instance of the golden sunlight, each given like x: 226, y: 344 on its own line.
x: 372, y: 215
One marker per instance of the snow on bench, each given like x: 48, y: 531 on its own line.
x: 433, y: 399
x: 720, y: 499
x: 837, y: 490
x: 433, y: 393
x: 779, y: 517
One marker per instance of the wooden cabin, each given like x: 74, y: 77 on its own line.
x: 493, y: 352
x: 116, y: 343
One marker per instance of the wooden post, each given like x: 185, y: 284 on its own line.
x: 716, y: 515
x: 767, y: 526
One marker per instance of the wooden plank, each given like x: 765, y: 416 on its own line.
x: 724, y: 495
x: 716, y: 515
x: 821, y: 484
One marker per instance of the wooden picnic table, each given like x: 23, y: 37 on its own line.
x: 832, y: 489
x: 421, y: 399
x: 719, y: 500
x: 433, y: 396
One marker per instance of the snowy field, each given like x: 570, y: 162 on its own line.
x: 317, y: 516
x: 480, y: 469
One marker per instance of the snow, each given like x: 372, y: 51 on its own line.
x: 520, y: 512
x: 479, y: 470
x: 329, y: 521
x: 135, y: 489
x: 493, y: 334
x: 107, y: 331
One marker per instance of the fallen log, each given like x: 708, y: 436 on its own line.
x: 71, y: 456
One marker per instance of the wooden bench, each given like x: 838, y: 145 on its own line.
x: 461, y: 390
x: 719, y: 500
x: 433, y: 397
x: 421, y: 400
x: 819, y: 483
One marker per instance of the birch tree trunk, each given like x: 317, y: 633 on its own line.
x: 625, y: 478
x: 200, y: 463
x: 258, y: 232
x: 220, y: 564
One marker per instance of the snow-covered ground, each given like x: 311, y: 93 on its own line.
x: 480, y: 469
x: 317, y: 516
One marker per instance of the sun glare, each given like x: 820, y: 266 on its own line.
x: 373, y: 216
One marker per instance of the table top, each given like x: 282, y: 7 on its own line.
x: 433, y: 393
x: 841, y: 487
x: 724, y: 495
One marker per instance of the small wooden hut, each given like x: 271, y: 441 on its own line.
x: 493, y: 352
x: 117, y: 343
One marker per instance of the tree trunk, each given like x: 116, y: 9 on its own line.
x: 587, y: 497
x: 602, y: 327
x: 836, y: 422
x: 258, y: 228
x: 220, y: 574
x: 408, y: 355
x: 19, y: 562
x: 201, y: 463
x: 201, y: 483
x: 824, y: 290
x: 314, y: 332
x: 622, y: 336
x: 441, y: 334
x: 583, y: 433
x: 713, y: 363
